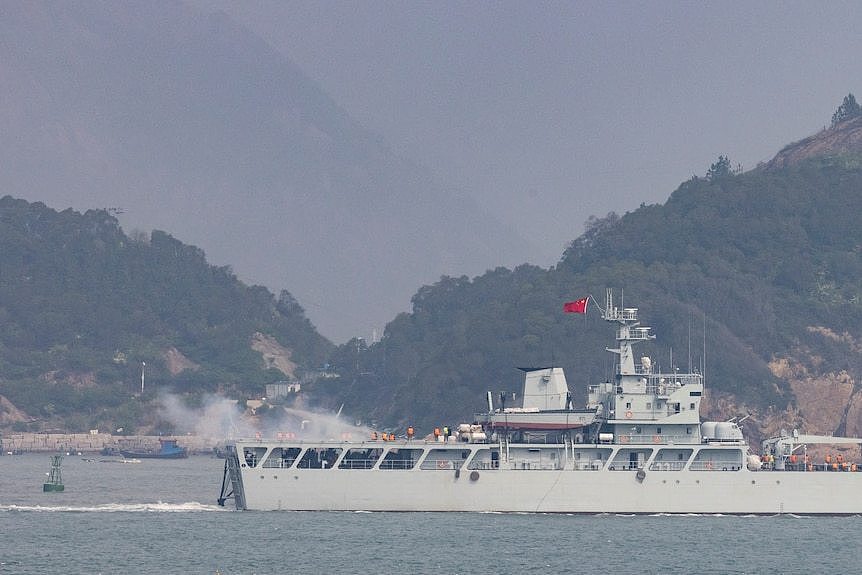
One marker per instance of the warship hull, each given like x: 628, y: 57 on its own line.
x: 638, y: 447
x: 534, y: 490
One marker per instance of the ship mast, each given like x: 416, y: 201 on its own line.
x: 629, y: 333
x: 644, y: 404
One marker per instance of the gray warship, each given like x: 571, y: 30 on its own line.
x: 638, y: 447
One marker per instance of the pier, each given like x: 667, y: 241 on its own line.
x: 16, y: 443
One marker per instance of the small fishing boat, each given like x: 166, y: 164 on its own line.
x: 168, y: 449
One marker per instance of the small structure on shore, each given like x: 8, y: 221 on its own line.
x: 55, y: 479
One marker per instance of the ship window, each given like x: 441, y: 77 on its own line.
x: 319, y: 458
x: 481, y: 460
x: 360, y: 458
x: 649, y: 405
x: 282, y: 458
x: 628, y: 405
x: 629, y: 459
x: 590, y: 459
x: 672, y: 459
x: 717, y: 460
x: 401, y: 459
x: 444, y: 460
x: 688, y: 430
x: 253, y: 455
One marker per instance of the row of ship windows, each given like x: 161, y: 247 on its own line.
x: 666, y: 459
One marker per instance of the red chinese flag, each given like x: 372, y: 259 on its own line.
x: 578, y: 306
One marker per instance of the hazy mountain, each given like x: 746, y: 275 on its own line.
x: 189, y: 123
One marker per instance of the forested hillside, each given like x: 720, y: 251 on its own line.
x: 755, y: 278
x: 767, y: 261
x: 83, y: 306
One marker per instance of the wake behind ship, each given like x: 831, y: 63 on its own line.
x: 638, y: 446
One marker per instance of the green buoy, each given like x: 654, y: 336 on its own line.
x: 55, y: 480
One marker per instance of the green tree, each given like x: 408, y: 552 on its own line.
x: 849, y: 108
x: 719, y: 169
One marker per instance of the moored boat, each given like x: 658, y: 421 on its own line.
x: 168, y: 449
x: 638, y: 446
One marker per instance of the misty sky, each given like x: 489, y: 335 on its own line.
x: 551, y: 112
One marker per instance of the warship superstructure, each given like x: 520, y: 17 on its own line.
x: 638, y: 446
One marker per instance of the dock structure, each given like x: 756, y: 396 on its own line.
x: 73, y: 443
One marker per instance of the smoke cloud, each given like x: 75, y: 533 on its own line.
x: 220, y: 418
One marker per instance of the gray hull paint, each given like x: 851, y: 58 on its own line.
x: 563, y: 491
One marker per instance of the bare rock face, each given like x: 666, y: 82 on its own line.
x: 176, y: 362
x: 843, y: 139
x: 10, y: 414
x: 827, y: 400
x: 274, y: 354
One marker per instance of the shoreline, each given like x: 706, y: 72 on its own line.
x: 30, y: 442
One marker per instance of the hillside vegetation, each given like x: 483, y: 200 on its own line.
x: 83, y: 306
x: 767, y: 261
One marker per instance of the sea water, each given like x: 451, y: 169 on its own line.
x: 160, y: 516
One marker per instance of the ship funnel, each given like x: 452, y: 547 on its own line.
x: 545, y: 388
